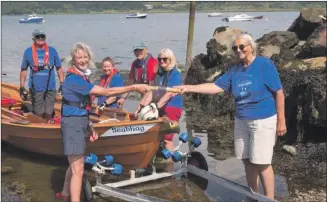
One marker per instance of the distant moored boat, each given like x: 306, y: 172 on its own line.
x: 242, y: 17
x: 215, y: 14
x: 32, y: 19
x: 137, y: 15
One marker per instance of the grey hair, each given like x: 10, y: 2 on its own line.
x: 80, y: 46
x: 248, y: 37
x: 169, y: 54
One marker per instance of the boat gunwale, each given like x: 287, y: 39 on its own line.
x: 96, y: 125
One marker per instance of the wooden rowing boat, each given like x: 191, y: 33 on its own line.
x: 133, y: 143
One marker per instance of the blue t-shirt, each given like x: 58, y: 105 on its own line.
x: 253, y: 88
x: 75, y: 89
x: 116, y: 81
x: 41, y: 77
x: 170, y: 79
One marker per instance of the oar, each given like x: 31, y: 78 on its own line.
x: 28, y: 116
x: 13, y: 113
x: 166, y: 89
x: 12, y: 120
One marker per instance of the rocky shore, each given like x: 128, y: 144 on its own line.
x: 300, y: 57
x: 12, y: 190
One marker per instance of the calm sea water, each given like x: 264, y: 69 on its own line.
x: 113, y: 35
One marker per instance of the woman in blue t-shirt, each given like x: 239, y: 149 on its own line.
x: 110, y: 78
x: 259, y: 97
x: 75, y: 124
x: 169, y: 104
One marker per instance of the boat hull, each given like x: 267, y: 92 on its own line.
x: 237, y: 19
x: 35, y: 20
x: 135, y: 16
x: 132, y: 151
x: 215, y: 15
x: 133, y: 143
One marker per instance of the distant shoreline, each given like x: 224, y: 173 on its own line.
x: 166, y: 11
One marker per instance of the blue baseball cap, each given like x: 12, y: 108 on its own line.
x: 139, y: 45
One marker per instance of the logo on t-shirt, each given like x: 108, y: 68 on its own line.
x: 243, y: 87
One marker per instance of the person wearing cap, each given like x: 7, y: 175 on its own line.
x: 41, y: 59
x: 143, y: 70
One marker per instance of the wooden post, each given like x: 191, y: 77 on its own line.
x: 190, y: 35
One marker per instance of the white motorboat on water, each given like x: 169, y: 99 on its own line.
x: 242, y: 17
x: 137, y: 15
x: 33, y: 18
x: 215, y: 14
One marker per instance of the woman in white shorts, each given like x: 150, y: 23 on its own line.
x: 259, y: 98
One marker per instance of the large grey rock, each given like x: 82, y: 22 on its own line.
x: 278, y: 45
x: 315, y: 45
x: 307, y: 21
x: 224, y: 37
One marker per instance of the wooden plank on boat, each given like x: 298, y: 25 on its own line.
x: 12, y: 114
x: 34, y: 118
x: 14, y: 120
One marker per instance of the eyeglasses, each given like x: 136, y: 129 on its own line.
x: 241, y: 47
x: 40, y: 37
x: 164, y: 59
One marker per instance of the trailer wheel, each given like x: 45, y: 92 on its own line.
x: 87, y: 189
x: 198, y: 160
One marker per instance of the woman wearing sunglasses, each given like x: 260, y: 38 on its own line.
x: 75, y: 123
x: 259, y: 97
x: 110, y: 78
x: 169, y: 104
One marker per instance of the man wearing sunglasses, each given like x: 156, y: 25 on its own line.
x: 41, y: 60
x: 143, y: 69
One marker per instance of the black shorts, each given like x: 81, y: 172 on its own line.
x: 74, y: 131
x: 44, y: 104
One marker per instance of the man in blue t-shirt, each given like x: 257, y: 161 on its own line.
x: 41, y: 60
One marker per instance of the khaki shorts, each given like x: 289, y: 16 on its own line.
x: 44, y: 104
x: 74, y: 131
x: 255, y: 139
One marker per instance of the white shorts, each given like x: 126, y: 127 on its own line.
x: 255, y: 139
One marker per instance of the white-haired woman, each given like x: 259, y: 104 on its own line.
x: 75, y: 124
x: 259, y: 97
x: 169, y: 104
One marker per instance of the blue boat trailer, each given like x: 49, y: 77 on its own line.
x: 115, y: 190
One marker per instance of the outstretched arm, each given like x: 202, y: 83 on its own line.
x: 205, y: 88
x: 97, y: 90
